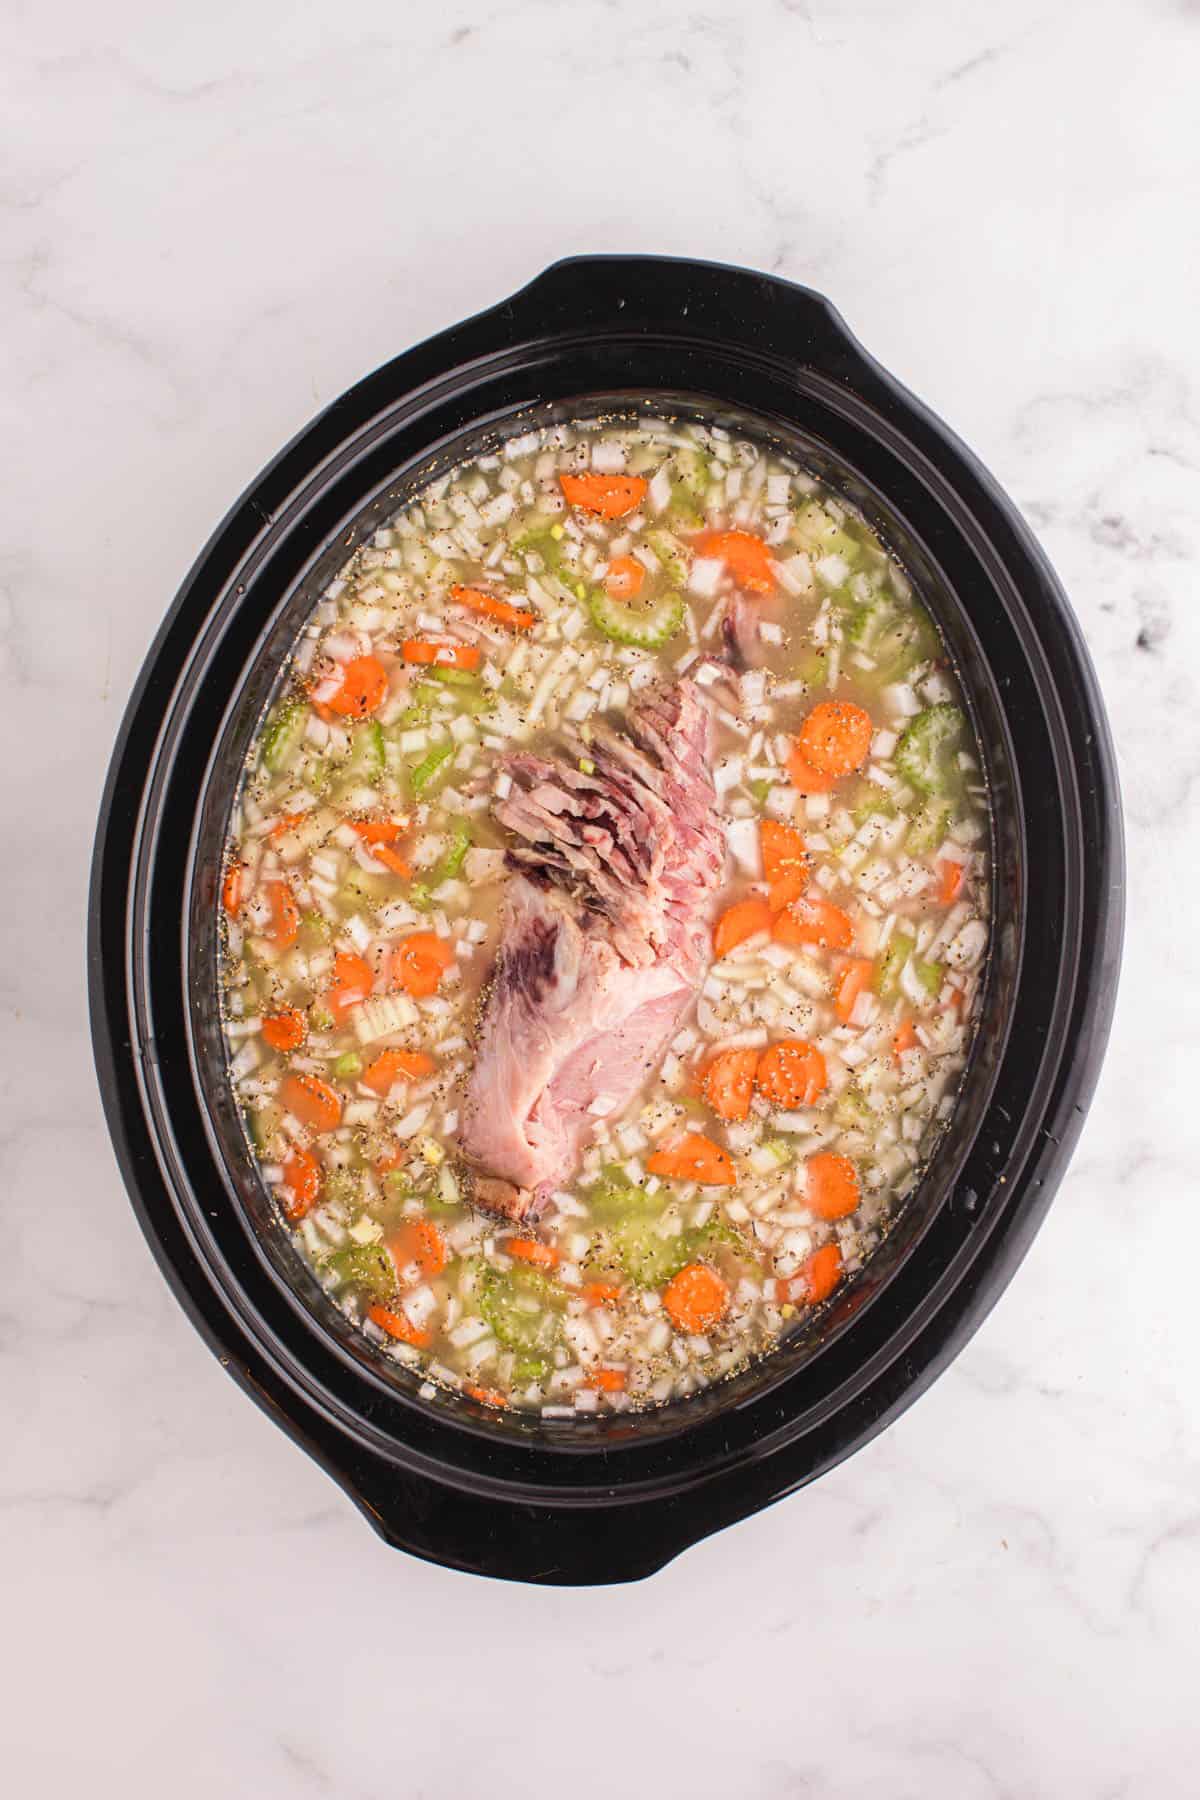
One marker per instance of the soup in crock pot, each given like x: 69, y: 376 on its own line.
x: 604, y: 908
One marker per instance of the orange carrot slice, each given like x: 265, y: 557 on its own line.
x: 624, y: 578
x: 445, y: 656
x: 905, y: 1038
x: 853, y: 979
x: 738, y: 922
x: 813, y: 920
x: 284, y: 1030
x: 803, y: 776
x: 820, y: 1273
x: 792, y: 1073
x: 951, y: 876
x: 312, y: 1101
x: 728, y: 1083
x: 785, y: 863
x: 491, y: 606
x: 232, y: 889
x: 486, y: 1396
x: 391, y: 1066
x: 831, y: 1185
x: 608, y: 1381
x: 835, y: 738
x: 284, y: 928
x: 601, y: 1293
x: 352, y: 982
x: 694, y: 1158
x: 419, y: 1241
x: 528, y: 1250
x: 380, y: 831
x: 746, y: 556
x: 363, y: 690
x: 301, y: 1184
x: 611, y: 496
x: 696, y: 1299
x: 397, y: 1326
x: 418, y: 963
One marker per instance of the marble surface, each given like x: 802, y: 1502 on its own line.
x: 215, y: 218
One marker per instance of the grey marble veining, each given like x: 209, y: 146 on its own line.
x: 214, y: 219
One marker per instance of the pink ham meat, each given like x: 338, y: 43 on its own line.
x: 604, y: 940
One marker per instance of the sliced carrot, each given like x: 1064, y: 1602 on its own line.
x: 391, y: 859
x: 352, y: 982
x: 363, y: 690
x: 612, y: 496
x: 285, y: 915
x: 380, y: 831
x: 608, y: 1381
x: 419, y: 1241
x: 854, y: 978
x: 820, y: 1273
x: 785, y: 863
x: 232, y: 889
x: 284, y: 1030
x: 905, y: 1038
x: 528, y: 1250
x: 836, y: 737
x: 792, y: 1073
x: 746, y: 556
x: 486, y: 1396
x: 418, y: 963
x: 803, y: 776
x: 397, y: 1326
x: 391, y: 1066
x: 492, y: 607
x: 312, y: 1101
x: 624, y: 578
x: 287, y: 822
x: 696, y: 1299
x: 812, y: 920
x: 728, y: 1082
x: 601, y: 1293
x: 301, y: 1184
x: 694, y: 1158
x: 831, y: 1185
x: 951, y: 875
x: 738, y: 922
x: 392, y: 1158
x: 446, y: 656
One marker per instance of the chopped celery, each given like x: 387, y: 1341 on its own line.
x: 905, y: 640
x: 671, y: 554
x: 818, y: 531
x: 264, y: 1123
x: 887, y: 975
x: 760, y: 789
x: 455, y: 855
x: 929, y: 826
x: 929, y: 974
x: 681, y: 508
x: 545, y: 541
x: 851, y: 1111
x: 429, y: 767
x: 530, y: 1368
x: 870, y: 801
x: 284, y: 736
x: 315, y: 930
x: 813, y: 669
x: 366, y: 751
x: 367, y: 1265
x: 522, y: 1307
x: 459, y: 678
x: 647, y: 1258
x: 923, y: 755
x: 348, y: 1066
x: 647, y: 625
x: 320, y: 1018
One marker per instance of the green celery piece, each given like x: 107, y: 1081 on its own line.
x: 923, y: 753
x: 366, y: 758
x: 929, y: 826
x: 450, y: 677
x: 284, y: 736
x: 929, y: 974
x: 529, y: 1368
x: 760, y: 789
x: 454, y: 857
x: 315, y: 930
x: 428, y: 768
x: 348, y: 1066
x: 887, y: 976
x: 502, y: 1298
x: 366, y: 1265
x: 647, y: 626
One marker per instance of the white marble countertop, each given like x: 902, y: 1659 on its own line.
x: 214, y: 219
